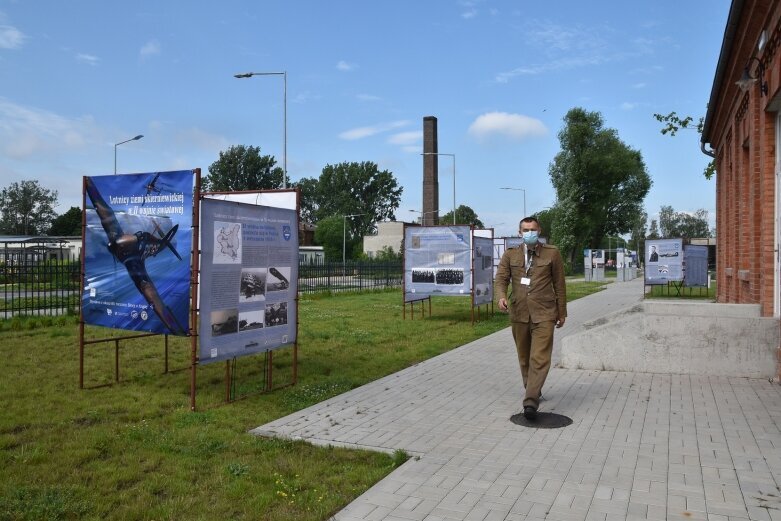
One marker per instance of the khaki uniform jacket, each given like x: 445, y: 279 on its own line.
x: 546, y: 297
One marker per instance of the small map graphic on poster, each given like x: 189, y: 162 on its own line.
x: 227, y: 242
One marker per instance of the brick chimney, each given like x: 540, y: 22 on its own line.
x: 430, y: 214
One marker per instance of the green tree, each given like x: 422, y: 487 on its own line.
x: 600, y: 184
x: 26, y: 208
x: 545, y: 218
x: 673, y: 123
x: 330, y: 233
x: 357, y: 189
x: 653, y: 232
x: 682, y: 224
x: 308, y: 189
x: 464, y: 215
x: 67, y: 224
x: 243, y: 168
x: 637, y: 233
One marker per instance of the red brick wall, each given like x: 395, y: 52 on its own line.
x: 743, y: 136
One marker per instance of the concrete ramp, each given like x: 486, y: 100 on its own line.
x: 678, y: 338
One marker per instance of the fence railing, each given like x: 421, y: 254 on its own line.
x: 32, y: 285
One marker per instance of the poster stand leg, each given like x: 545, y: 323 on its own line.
x: 197, y: 196
x: 116, y: 360
x: 228, y: 380
x: 270, y: 381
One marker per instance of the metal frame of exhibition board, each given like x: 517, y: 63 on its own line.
x: 471, y: 294
x: 192, y: 329
x: 268, y: 356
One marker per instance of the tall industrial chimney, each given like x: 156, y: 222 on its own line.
x: 430, y: 216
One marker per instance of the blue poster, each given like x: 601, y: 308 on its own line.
x: 437, y: 261
x: 663, y: 261
x: 249, y: 279
x: 137, y: 251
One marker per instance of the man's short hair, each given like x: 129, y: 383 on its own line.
x: 529, y: 219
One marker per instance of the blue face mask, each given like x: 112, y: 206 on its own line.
x: 530, y: 237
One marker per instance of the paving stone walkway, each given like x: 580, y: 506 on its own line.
x: 641, y: 446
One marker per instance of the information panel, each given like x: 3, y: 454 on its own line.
x: 249, y: 279
x: 663, y: 261
x: 137, y: 251
x: 437, y: 261
x: 483, y: 275
x: 695, y: 273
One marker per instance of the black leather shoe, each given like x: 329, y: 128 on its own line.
x: 529, y: 412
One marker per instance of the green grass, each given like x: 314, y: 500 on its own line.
x: 669, y: 291
x: 133, y: 450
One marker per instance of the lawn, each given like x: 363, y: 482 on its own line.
x: 133, y: 450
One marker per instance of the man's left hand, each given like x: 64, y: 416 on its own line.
x: 560, y: 321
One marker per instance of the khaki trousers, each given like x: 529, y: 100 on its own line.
x: 534, y: 344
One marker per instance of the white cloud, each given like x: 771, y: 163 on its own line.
x: 26, y: 132
x: 363, y: 132
x: 10, y: 36
x: 516, y: 127
x: 201, y: 139
x: 406, y: 138
x: 466, y: 15
x: 628, y: 106
x: 87, y: 58
x: 151, y: 47
x: 304, y: 97
x: 413, y: 149
x: 345, y: 66
x: 368, y: 97
x: 640, y: 85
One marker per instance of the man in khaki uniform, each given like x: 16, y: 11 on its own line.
x: 538, y: 302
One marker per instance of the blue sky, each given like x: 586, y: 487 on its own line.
x: 77, y: 77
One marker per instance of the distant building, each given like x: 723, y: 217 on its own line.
x: 389, y: 234
x: 16, y: 248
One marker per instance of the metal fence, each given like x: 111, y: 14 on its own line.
x: 33, y: 285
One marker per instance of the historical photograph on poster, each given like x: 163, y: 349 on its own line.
x: 450, y: 276
x: 253, y: 285
x: 251, y: 320
x: 137, y: 251
x: 278, y: 279
x: 227, y: 242
x: 446, y: 258
x: 483, y: 270
x: 224, y: 322
x: 276, y: 314
x: 423, y: 276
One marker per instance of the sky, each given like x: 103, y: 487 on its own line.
x: 78, y: 77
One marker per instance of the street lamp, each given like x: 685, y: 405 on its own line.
x: 344, y: 235
x: 423, y: 213
x: 524, y: 198
x: 121, y: 142
x: 454, y: 177
x: 284, y: 116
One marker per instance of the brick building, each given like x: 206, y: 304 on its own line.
x: 743, y: 129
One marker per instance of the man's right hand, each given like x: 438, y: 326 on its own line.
x: 503, y: 304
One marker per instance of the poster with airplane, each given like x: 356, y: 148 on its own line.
x: 137, y: 251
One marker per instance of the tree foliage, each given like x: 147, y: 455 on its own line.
x: 681, y: 224
x: 653, y: 232
x: 673, y: 123
x: 67, y: 224
x: 464, y: 215
x: 545, y: 219
x: 329, y: 234
x: 243, y: 168
x: 361, y: 190
x: 26, y: 208
x: 637, y: 233
x: 600, y: 184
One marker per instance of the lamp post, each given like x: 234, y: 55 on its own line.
x: 524, y: 198
x: 344, y: 235
x: 284, y: 114
x: 121, y: 142
x: 454, y: 177
x: 424, y: 213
